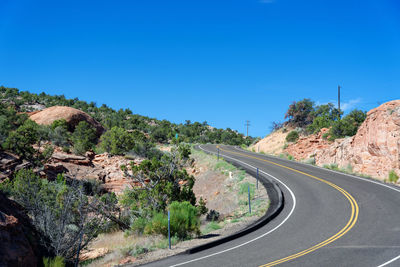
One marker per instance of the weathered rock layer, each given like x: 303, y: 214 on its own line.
x: 375, y: 149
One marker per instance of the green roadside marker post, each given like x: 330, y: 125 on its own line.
x: 169, y: 230
x: 248, y: 190
x: 218, y: 154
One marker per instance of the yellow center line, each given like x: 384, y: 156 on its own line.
x: 350, y: 224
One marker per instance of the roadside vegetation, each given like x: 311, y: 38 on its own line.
x: 159, y: 131
x: 237, y: 185
x: 309, y: 118
x: 69, y: 213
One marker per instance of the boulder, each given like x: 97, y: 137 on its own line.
x: 19, y: 245
x: 71, y: 115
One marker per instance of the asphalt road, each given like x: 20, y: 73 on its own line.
x: 329, y: 219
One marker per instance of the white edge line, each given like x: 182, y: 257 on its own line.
x: 389, y: 262
x: 252, y: 240
x: 355, y: 177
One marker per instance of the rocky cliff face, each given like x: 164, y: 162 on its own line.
x: 375, y: 149
x: 19, y: 244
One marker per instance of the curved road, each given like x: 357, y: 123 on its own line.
x: 329, y: 219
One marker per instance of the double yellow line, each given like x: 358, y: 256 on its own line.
x: 350, y: 224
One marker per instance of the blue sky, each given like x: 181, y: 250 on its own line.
x: 220, y: 61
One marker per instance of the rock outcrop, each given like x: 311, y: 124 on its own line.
x: 71, y: 115
x: 103, y: 167
x: 19, y: 244
x: 10, y: 163
x: 307, y: 147
x: 375, y: 149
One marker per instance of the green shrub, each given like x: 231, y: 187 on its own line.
x: 139, y: 224
x: 212, y: 226
x: 332, y: 166
x: 293, y: 136
x: 347, y: 126
x: 55, y: 262
x: 184, y: 221
x: 136, y: 250
x: 349, y: 168
x: 201, y: 208
x: 290, y: 157
x: 84, y: 138
x: 6, y: 186
x: 21, y: 140
x: 164, y: 243
x: 117, y: 141
x: 241, y: 175
x: 224, y: 166
x: 311, y: 161
x: 243, y: 189
x: 393, y: 177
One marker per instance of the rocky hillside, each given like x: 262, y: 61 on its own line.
x: 273, y: 143
x: 375, y: 149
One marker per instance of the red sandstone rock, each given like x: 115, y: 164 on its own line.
x: 308, y: 146
x: 18, y: 239
x: 71, y: 115
x: 103, y: 167
x: 375, y: 149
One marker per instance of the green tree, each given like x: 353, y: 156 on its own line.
x: 21, y: 141
x: 347, y: 126
x: 323, y: 117
x: 293, y: 136
x: 117, y: 141
x: 84, y: 137
x: 184, y: 221
x: 157, y: 183
x: 299, y: 113
x: 9, y: 121
x: 62, y: 213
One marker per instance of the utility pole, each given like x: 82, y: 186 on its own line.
x: 339, y: 99
x: 247, y: 124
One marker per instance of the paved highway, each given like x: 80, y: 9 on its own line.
x: 329, y: 219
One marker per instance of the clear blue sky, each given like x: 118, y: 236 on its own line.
x: 221, y: 61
